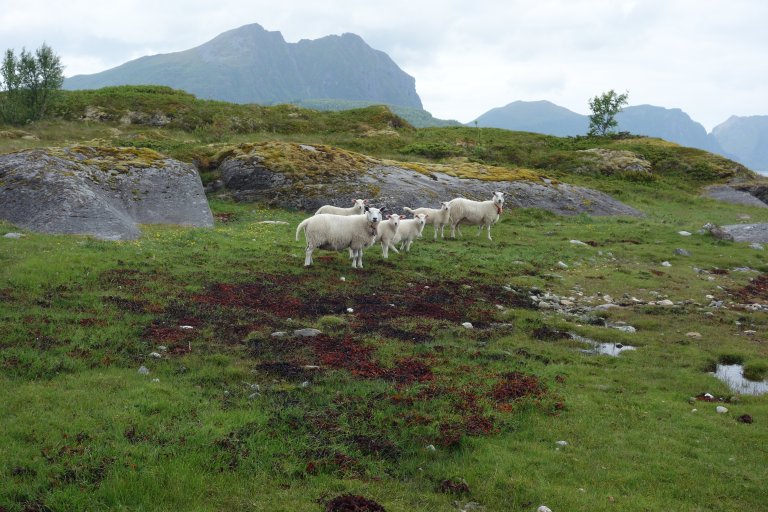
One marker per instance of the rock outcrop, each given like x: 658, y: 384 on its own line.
x: 102, y: 192
x: 306, y: 177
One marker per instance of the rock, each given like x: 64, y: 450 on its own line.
x: 307, y: 333
x: 467, y: 325
x: 350, y: 310
x: 431, y: 448
x: 278, y: 334
x: 102, y: 192
x: 562, y: 265
x: 731, y: 195
x: 665, y: 302
x: 561, y: 443
x: 684, y: 233
x: 155, y: 355
x: 338, y: 177
x: 543, y: 508
x: 721, y: 410
x: 186, y: 327
x: 682, y: 252
x: 756, y: 233
x: 579, y: 242
x: 143, y: 370
x: 13, y: 235
x: 693, y: 334
x: 666, y: 264
x: 756, y: 246
x: 624, y: 328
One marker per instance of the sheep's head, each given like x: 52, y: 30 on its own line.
x: 359, y: 204
x: 445, y: 206
x: 373, y: 215
x: 394, y: 219
x: 421, y: 219
x: 498, y: 199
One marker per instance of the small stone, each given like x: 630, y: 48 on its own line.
x: 253, y: 396
x: 579, y: 242
x: 756, y: 246
x: 186, y: 327
x: 543, y: 508
x: 562, y: 265
x: 155, y: 380
x: 307, y: 333
x: 342, y: 278
x: 431, y: 448
x: 561, y: 443
x: 682, y: 252
x: 350, y: 310
x: 305, y: 384
x: 162, y: 348
x: 624, y: 328
x: 708, y: 396
x: 278, y: 334
x: 144, y: 370
x: 750, y: 332
x: 666, y: 264
x: 684, y: 233
x: 694, y: 410
x: 721, y: 410
x: 665, y: 302
x: 156, y: 355
x: 467, y: 325
x: 693, y: 334
x: 13, y: 235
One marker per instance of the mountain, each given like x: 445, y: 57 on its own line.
x: 670, y: 124
x: 252, y: 65
x: 536, y: 116
x: 747, y: 139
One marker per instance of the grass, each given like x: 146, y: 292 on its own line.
x: 83, y: 429
x: 231, y: 416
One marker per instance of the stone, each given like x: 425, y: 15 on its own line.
x: 624, y: 328
x: 543, y: 508
x: 561, y: 443
x: 143, y: 370
x: 756, y: 246
x: 467, y: 325
x: 684, y: 233
x: 666, y: 264
x: 693, y: 334
x: 721, y: 410
x: 13, y: 235
x: 350, y: 310
x: 682, y: 252
x: 579, y: 242
x: 431, y: 448
x: 155, y: 355
x: 279, y: 334
x: 665, y: 302
x: 102, y: 192
x: 562, y: 265
x: 307, y: 333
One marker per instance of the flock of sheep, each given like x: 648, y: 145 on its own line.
x: 360, y: 226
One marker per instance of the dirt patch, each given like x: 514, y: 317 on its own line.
x: 453, y: 486
x: 353, y: 503
x: 516, y: 386
x: 546, y: 333
x: 755, y: 291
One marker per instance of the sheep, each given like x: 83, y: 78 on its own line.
x: 439, y: 218
x: 478, y: 213
x: 337, y: 232
x: 409, y: 230
x: 358, y: 208
x: 386, y: 232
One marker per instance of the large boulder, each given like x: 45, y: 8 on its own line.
x: 102, y: 192
x: 306, y: 177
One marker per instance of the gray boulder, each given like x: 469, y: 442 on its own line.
x: 102, y: 192
x: 729, y: 194
x: 307, y: 177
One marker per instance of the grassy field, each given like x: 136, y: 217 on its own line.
x: 395, y: 402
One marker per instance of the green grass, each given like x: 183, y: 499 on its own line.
x: 82, y: 429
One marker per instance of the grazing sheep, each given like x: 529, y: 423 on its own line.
x: 336, y: 233
x: 358, y: 208
x: 439, y: 218
x: 409, y: 230
x: 476, y: 213
x: 386, y: 232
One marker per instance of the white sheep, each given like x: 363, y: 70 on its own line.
x: 386, y: 232
x: 409, y: 230
x: 358, y: 208
x: 438, y: 217
x: 476, y: 213
x: 336, y: 233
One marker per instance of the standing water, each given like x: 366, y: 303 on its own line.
x: 733, y: 375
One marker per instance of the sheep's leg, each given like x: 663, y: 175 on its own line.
x: 489, y: 232
x: 308, y: 256
x: 434, y: 226
x: 394, y: 248
x: 480, y: 229
x: 384, y: 249
x: 453, y: 230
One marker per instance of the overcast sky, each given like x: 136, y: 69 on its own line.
x: 707, y: 57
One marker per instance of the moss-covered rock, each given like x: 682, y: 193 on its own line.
x: 98, y: 191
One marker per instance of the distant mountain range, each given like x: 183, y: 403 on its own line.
x: 744, y: 139
x: 252, y: 65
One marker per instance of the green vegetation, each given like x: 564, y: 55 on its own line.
x: 28, y: 84
x: 231, y: 417
x: 604, y: 109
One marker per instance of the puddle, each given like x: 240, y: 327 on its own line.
x: 597, y: 348
x: 731, y: 374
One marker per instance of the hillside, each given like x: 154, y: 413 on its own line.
x: 252, y: 65
x: 204, y: 368
x: 747, y: 139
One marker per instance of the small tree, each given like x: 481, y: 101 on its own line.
x: 604, y: 109
x: 28, y: 83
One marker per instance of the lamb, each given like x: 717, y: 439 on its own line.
x: 386, y: 232
x: 336, y: 233
x: 439, y: 218
x: 409, y: 230
x: 477, y: 213
x: 358, y: 208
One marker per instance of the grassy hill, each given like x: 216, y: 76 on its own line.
x: 396, y: 402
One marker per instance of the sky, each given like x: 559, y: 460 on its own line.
x: 706, y: 57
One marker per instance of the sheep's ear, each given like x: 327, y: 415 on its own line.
x: 426, y: 216
x: 366, y: 208
x: 382, y: 208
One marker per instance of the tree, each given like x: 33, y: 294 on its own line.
x: 604, y: 109
x: 28, y: 84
